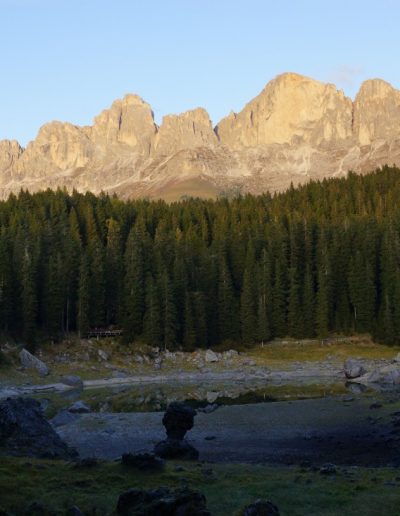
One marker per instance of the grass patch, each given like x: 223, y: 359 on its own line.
x: 58, y: 485
x: 277, y: 353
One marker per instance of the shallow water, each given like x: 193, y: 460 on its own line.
x: 156, y: 397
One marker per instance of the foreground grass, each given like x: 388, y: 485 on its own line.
x: 296, y: 491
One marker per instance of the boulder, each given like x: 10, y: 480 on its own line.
x: 261, y: 508
x: 103, y: 354
x: 64, y: 417
x: 353, y: 368
x: 387, y: 375
x: 79, y: 407
x: 142, y: 461
x: 25, y: 431
x: 29, y: 361
x: 72, y: 380
x: 176, y: 449
x: 178, y: 419
x: 162, y: 502
x: 211, y: 356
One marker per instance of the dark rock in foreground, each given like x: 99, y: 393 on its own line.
x: 176, y: 449
x: 261, y: 508
x: 25, y: 431
x: 142, y: 461
x: 162, y: 502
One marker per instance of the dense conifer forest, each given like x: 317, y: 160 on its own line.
x: 321, y: 258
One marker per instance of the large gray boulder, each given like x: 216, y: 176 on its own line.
x: 353, y: 368
x: 29, y: 361
x: 25, y: 431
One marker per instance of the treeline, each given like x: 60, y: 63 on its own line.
x: 320, y: 258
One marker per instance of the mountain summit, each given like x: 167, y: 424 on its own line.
x: 295, y: 130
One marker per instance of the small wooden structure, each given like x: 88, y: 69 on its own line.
x: 100, y: 333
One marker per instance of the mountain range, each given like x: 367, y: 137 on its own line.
x: 295, y: 130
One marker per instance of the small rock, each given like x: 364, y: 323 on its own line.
x: 209, y: 437
x: 328, y: 469
x: 102, y: 354
x: 261, y: 508
x: 79, y: 407
x: 211, y: 356
x: 208, y: 408
x: 142, y: 461
x: 28, y: 361
x: 119, y: 374
x: 72, y: 380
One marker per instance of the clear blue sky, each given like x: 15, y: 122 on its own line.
x: 69, y: 59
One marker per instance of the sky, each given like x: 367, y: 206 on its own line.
x: 69, y: 59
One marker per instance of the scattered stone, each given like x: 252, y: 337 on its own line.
x: 162, y: 502
x: 261, y: 508
x: 210, y: 356
x: 142, y: 461
x: 28, y: 361
x: 353, y: 368
x: 208, y: 408
x: 72, y: 380
x: 328, y: 469
x: 25, y: 431
x: 119, y: 374
x: 102, y: 354
x: 79, y: 407
x: 64, y: 417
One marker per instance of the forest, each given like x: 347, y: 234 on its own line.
x: 317, y: 259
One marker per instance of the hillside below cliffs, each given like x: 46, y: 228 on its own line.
x: 295, y: 130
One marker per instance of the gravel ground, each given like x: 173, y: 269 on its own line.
x: 339, y: 430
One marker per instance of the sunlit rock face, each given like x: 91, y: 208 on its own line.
x: 295, y: 130
x: 376, y: 112
x: 291, y: 109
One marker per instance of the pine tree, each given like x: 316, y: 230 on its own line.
x: 83, y: 321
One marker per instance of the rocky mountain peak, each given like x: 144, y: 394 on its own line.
x: 291, y: 108
x: 295, y: 130
x: 376, y: 112
x: 185, y: 131
x: 129, y: 121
